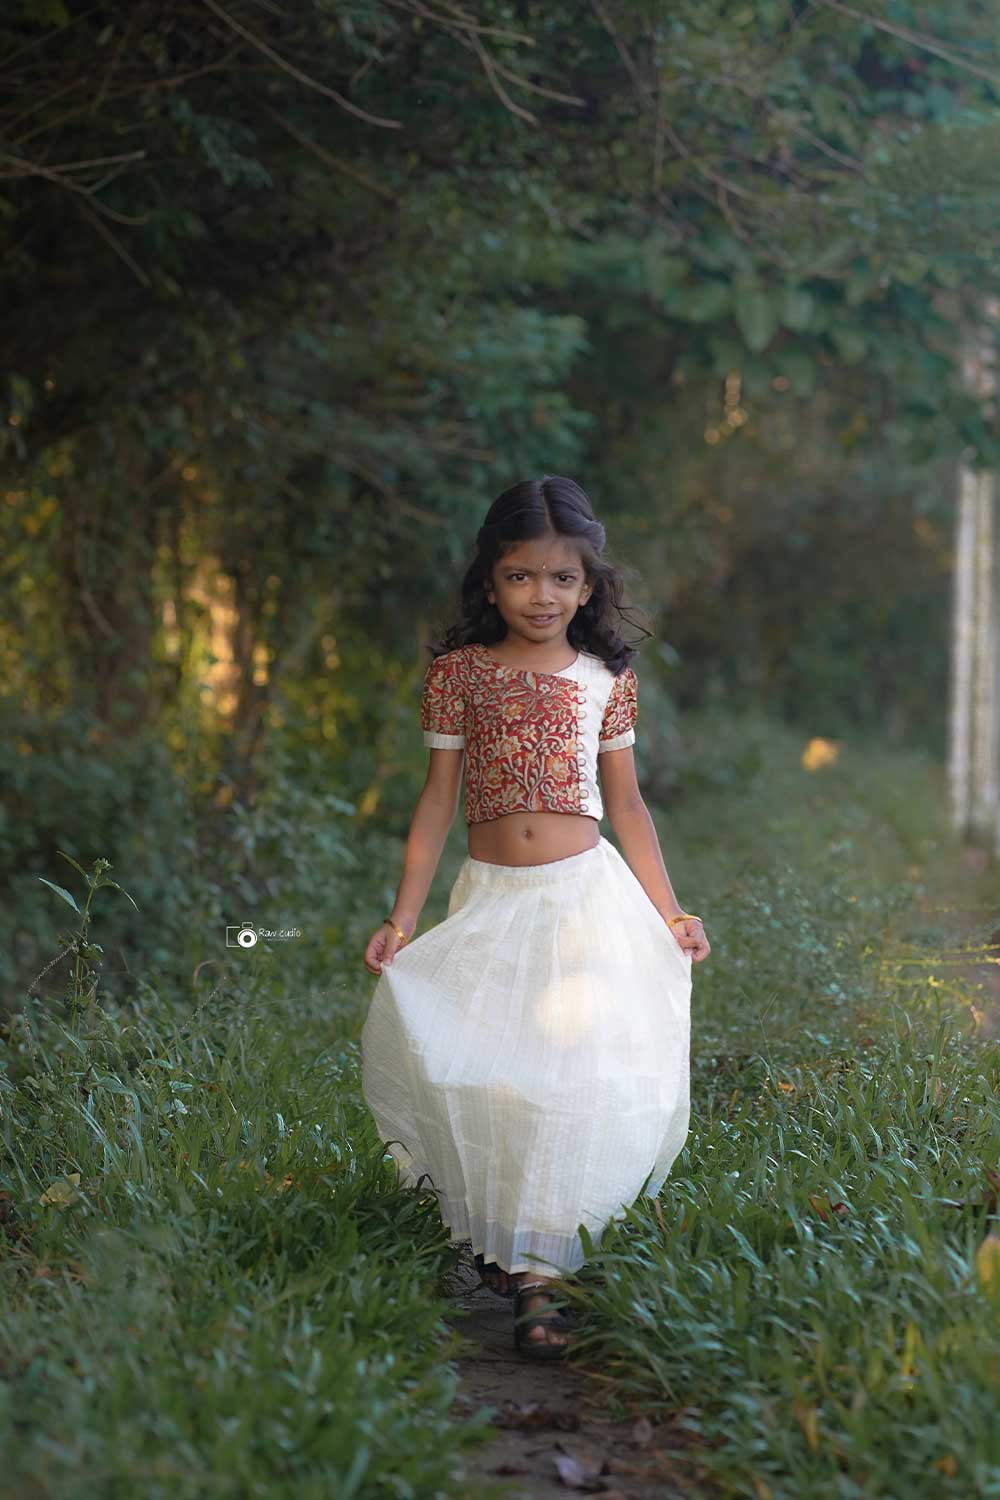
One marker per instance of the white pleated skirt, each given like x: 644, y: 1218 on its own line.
x: 529, y: 1057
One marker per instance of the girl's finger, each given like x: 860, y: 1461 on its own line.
x: 375, y: 952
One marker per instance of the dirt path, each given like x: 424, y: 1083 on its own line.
x: 554, y: 1436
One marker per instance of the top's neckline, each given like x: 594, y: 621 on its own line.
x: 504, y: 667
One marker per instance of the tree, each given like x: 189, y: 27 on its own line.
x: 974, y: 719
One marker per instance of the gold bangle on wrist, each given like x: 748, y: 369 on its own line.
x: 397, y: 930
x: 684, y: 916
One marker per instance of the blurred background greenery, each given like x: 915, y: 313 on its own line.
x: 291, y: 295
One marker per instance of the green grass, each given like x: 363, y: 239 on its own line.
x: 810, y: 1303
x: 236, y: 1299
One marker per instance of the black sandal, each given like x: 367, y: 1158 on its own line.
x: 481, y: 1268
x: 561, y: 1321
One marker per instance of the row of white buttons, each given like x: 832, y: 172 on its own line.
x: 581, y: 756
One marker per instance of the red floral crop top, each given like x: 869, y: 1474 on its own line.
x: 531, y: 738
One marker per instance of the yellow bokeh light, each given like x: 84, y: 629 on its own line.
x: 819, y: 753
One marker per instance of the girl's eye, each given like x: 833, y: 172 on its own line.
x: 516, y: 577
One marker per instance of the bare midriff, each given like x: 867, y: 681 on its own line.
x: 532, y: 838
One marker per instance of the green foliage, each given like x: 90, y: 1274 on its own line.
x: 290, y: 298
x: 196, y: 865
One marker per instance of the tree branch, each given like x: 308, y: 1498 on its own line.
x: 332, y: 161
x: 294, y: 72
x: 33, y: 169
x: 461, y: 20
x: 140, y: 275
x: 915, y: 38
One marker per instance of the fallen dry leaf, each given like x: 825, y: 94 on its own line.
x: 988, y: 1261
x: 574, y: 1476
x: 533, y: 1414
x: 62, y: 1191
x: 642, y: 1432
x: 808, y: 1419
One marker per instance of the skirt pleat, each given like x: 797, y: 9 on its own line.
x: 529, y: 1056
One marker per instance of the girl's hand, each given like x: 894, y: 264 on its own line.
x: 691, y: 936
x: 383, y: 945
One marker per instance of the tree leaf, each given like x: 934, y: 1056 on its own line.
x: 706, y: 303
x: 852, y: 345
x: 756, y: 316
x: 797, y: 308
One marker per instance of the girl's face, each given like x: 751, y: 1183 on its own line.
x: 538, y: 587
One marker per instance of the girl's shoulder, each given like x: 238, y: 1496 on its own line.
x: 598, y: 665
x: 452, y: 661
x: 451, y: 668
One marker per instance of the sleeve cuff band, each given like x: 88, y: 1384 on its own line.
x: 443, y: 741
x: 620, y: 741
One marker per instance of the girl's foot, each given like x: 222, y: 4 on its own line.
x: 543, y: 1324
x: 493, y: 1277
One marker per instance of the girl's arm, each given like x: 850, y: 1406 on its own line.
x: 636, y: 832
x: 432, y: 818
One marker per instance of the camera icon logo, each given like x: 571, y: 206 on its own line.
x: 242, y: 936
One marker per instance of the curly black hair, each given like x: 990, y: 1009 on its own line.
x: 550, y: 506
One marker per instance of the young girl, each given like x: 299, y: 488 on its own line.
x: 530, y: 1054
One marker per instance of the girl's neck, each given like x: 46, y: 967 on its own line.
x: 534, y: 656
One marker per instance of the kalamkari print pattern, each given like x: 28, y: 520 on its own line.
x: 531, y: 738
